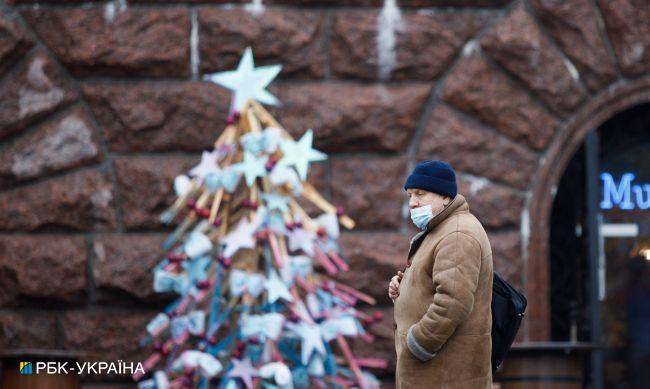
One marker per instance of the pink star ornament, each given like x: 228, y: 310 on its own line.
x: 302, y: 239
x: 242, y: 236
x: 244, y: 370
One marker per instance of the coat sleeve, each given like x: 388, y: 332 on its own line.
x: 455, y: 279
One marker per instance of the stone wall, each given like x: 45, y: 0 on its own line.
x: 102, y: 105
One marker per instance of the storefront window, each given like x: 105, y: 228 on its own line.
x: 625, y: 245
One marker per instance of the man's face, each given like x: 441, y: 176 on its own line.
x: 421, y: 197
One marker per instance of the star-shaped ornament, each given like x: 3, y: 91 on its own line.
x: 252, y: 167
x: 248, y: 82
x: 330, y: 223
x: 208, y: 164
x: 283, y: 175
x: 276, y: 202
x: 312, y: 340
x: 241, y: 237
x: 276, y: 288
x: 196, y: 268
x: 300, y: 154
x: 302, y: 239
x: 244, y: 370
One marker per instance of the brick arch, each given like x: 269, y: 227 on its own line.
x: 613, y: 100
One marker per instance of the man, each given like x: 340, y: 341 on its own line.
x: 443, y: 298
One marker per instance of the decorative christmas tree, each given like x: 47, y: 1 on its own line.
x: 258, y: 304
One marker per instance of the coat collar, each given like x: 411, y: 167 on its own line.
x: 457, y: 204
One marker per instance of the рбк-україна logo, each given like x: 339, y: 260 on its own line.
x: 25, y: 368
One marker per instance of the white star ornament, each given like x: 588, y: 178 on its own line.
x: 248, y: 82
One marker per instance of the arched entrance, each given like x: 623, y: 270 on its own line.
x: 617, y: 98
x: 587, y: 169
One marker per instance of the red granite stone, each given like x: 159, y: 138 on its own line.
x: 628, y: 28
x: 145, y: 186
x: 496, y: 206
x: 129, y: 42
x: 108, y: 335
x: 517, y: 43
x: 123, y: 267
x: 370, y: 189
x: 507, y: 256
x: 38, y: 87
x: 374, y: 257
x: 425, y: 43
x: 62, y: 143
x: 352, y: 117
x: 27, y: 329
x: 158, y: 116
x: 14, y: 42
x: 42, y: 268
x: 472, y: 148
x: 289, y: 37
x: 575, y: 27
x: 82, y: 200
x: 480, y: 90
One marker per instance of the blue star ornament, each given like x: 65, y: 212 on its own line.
x: 312, y: 340
x: 248, y: 82
x: 276, y: 288
x: 300, y: 154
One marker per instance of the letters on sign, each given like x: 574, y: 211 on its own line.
x: 624, y: 194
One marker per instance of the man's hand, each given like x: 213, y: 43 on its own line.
x: 393, y: 287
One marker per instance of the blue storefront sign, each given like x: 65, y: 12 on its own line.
x: 624, y: 194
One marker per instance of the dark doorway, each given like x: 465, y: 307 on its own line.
x: 614, y: 256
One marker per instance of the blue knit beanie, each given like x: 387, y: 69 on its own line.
x: 433, y: 176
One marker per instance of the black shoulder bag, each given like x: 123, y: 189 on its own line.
x: 508, y: 309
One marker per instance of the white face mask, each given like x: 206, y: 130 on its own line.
x: 421, y: 216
